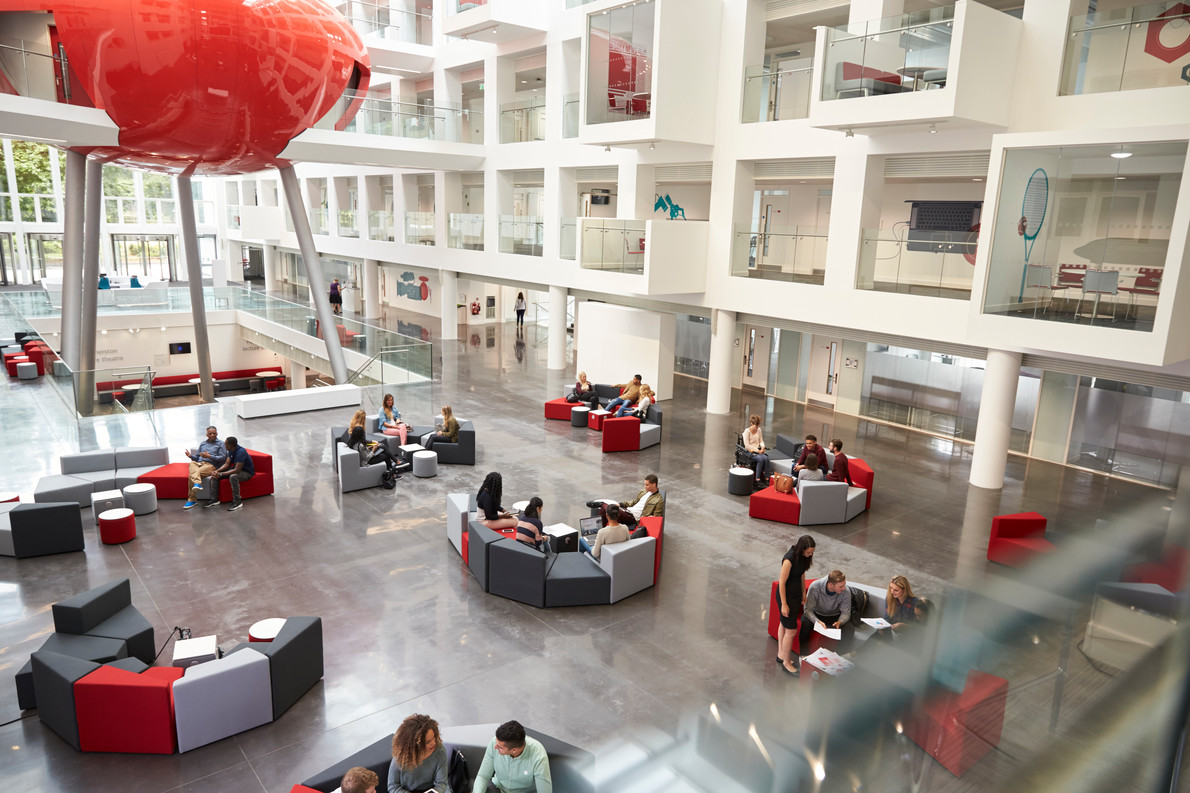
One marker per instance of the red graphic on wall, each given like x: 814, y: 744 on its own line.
x: 425, y: 287
x: 1179, y: 14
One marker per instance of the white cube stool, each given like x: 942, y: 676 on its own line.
x: 425, y: 464
x: 188, y: 652
x: 105, y: 500
x: 141, y: 497
x: 27, y: 371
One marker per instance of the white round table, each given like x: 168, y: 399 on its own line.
x: 268, y: 374
x: 266, y: 630
x: 519, y: 506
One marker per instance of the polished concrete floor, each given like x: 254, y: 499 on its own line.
x: 408, y: 630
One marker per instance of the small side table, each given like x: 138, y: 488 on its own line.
x: 188, y: 652
x: 266, y: 630
x: 141, y: 497
x: 104, y: 500
x: 595, y: 419
x: 425, y: 464
x: 739, y: 481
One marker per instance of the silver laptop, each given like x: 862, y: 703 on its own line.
x: 589, y: 527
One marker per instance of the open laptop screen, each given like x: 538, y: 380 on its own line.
x: 591, y: 525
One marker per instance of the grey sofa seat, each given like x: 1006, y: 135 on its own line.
x: 96, y: 649
x: 575, y: 579
x: 822, y: 502
x: 629, y: 566
x: 295, y: 660
x: 107, y: 611
x: 352, y: 475
x: 456, y: 519
x: 40, y: 529
x: 479, y: 539
x: 134, y: 461
x: 64, y: 488
x: 460, y: 453
x: 82, y: 462
x: 517, y: 572
x: 54, y: 675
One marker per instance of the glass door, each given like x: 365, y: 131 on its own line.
x: 7, y: 261
x: 45, y: 253
x: 148, y: 257
x: 824, y: 370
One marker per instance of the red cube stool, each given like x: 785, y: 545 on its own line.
x: 557, y: 409
x: 121, y: 711
x: 117, y: 526
x: 771, y: 505
x: 1017, y: 538
x: 595, y: 419
x: 11, y: 361
x: 958, y: 729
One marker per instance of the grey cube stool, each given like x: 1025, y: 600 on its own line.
x: 425, y: 464
x: 27, y: 371
x: 104, y: 500
x: 578, y: 415
x: 61, y: 369
x: 739, y: 480
x: 141, y: 497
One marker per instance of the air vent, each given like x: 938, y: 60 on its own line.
x: 536, y: 61
x: 696, y: 172
x: 528, y: 178
x: 809, y: 168
x: 969, y: 164
x: 603, y: 173
x: 782, y: 9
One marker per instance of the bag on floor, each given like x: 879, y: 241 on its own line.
x: 859, y: 604
x: 783, y: 483
x: 458, y: 775
x: 388, y: 480
x: 572, y: 397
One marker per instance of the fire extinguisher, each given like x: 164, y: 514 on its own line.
x: 475, y: 307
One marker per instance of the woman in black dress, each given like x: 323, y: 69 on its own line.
x: 791, y: 594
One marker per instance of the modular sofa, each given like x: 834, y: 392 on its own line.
x: 1016, y: 539
x: 40, y: 529
x: 628, y: 433
x: 352, y: 474
x: 460, y: 453
x: 820, y: 502
x: 104, y: 469
x: 876, y: 606
x: 566, y: 761
x: 173, y: 480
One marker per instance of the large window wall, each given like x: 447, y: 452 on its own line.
x: 1081, y: 233
x: 620, y: 63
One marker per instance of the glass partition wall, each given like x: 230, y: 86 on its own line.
x: 620, y: 63
x: 893, y: 55
x: 1082, y: 232
x: 1123, y: 49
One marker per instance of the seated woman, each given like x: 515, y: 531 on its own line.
x: 811, y: 473
x: 754, y: 443
x: 419, y: 758
x: 487, y: 501
x: 584, y: 392
x: 647, y: 397
x: 371, y: 452
x: 900, y: 604
x: 449, y: 432
x: 357, y: 420
x: 389, y: 420
x: 529, y: 530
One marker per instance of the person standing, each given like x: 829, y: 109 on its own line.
x: 791, y: 595
x: 419, y: 762
x: 336, y: 298
x: 514, y: 763
x: 237, y: 468
x: 520, y: 307
x: 210, y: 455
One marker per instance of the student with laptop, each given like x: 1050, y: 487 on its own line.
x: 647, y: 503
x: 612, y: 533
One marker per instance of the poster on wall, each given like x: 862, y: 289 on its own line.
x: 413, y: 287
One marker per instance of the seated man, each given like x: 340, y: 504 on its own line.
x: 646, y: 503
x: 610, y: 534
x: 629, y: 393
x: 210, y: 455
x: 828, y: 600
x: 839, y: 471
x: 514, y: 763
x: 359, y: 780
x: 811, y: 447
x: 238, y: 468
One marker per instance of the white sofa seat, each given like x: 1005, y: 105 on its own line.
x: 630, y: 566
x: 457, y: 515
x: 219, y: 698
x: 352, y: 475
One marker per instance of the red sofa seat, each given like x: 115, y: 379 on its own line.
x: 1017, y: 538
x: 654, y: 526
x: 863, y: 476
x: 173, y: 480
x: 558, y: 409
x: 1169, y: 571
x: 768, y: 504
x: 622, y: 434
x: 121, y: 711
x: 857, y: 71
x: 959, y: 729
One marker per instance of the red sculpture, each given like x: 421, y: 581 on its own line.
x: 210, y: 86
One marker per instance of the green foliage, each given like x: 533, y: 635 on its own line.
x: 158, y: 185
x: 117, y: 182
x: 31, y: 161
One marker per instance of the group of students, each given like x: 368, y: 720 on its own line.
x: 215, y: 459
x: 811, y: 464
x: 389, y: 422
x: 618, y: 518
x: 634, y: 400
x: 828, y: 600
x: 513, y: 762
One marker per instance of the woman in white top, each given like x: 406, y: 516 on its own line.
x: 641, y: 409
x: 754, y: 443
x: 519, y: 307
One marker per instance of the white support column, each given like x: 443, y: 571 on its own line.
x: 557, y: 333
x: 72, y: 256
x: 198, y: 307
x: 855, y: 206
x: 720, y: 369
x: 994, y: 430
x: 863, y: 10
x: 269, y: 260
x: 448, y: 289
x: 371, y: 287
x: 296, y: 372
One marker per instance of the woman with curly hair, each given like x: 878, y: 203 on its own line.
x: 419, y: 758
x: 487, y: 502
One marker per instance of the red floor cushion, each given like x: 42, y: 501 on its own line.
x: 558, y: 409
x: 121, y: 711
x: 172, y: 481
x: 958, y: 729
x: 771, y: 505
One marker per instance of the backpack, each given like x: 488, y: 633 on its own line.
x: 388, y: 481
x: 457, y: 774
x: 859, y: 603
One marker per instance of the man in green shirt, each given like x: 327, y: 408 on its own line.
x: 514, y: 763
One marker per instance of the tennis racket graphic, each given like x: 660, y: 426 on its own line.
x: 1037, y: 192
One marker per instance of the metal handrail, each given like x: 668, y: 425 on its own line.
x: 764, y: 72
x: 949, y: 21
x: 1123, y: 23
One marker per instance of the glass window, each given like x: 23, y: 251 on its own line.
x: 1082, y: 232
x: 620, y: 63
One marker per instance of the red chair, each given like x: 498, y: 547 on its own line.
x: 863, y: 476
x: 121, y: 711
x: 959, y: 729
x: 622, y: 434
x: 1017, y: 538
x: 1148, y: 282
x: 768, y: 504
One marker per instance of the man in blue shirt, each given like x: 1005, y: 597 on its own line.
x: 238, y: 468
x: 210, y: 455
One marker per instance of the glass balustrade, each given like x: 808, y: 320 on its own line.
x: 391, y: 23
x: 522, y: 121
x: 570, y: 116
x: 381, y: 226
x: 233, y: 217
x: 568, y: 238
x: 897, y: 54
x: 465, y: 231
x: 939, y: 267
x: 319, y: 220
x: 34, y: 71
x: 781, y: 253
x: 1113, y: 49
x: 347, y: 223
x: 466, y: 5
x: 419, y: 228
x: 521, y: 234
x: 613, y: 245
x: 577, y: 3
x: 385, y: 116
x: 776, y: 95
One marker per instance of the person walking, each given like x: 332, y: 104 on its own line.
x: 336, y: 298
x: 520, y: 307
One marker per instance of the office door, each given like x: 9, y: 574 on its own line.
x: 824, y: 370
x: 756, y: 357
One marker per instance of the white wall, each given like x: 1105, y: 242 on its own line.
x: 615, y: 342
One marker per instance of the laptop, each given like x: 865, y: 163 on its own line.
x: 589, y: 527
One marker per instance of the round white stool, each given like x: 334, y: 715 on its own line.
x: 266, y: 630
x: 26, y: 370
x: 425, y: 464
x: 141, y: 497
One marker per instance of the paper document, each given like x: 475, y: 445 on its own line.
x: 830, y: 633
x: 828, y: 662
x: 879, y: 623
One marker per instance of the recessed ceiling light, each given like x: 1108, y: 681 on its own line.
x: 524, y: 81
x: 976, y: 179
x: 1120, y: 155
x: 1118, y: 178
x: 933, y: 129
